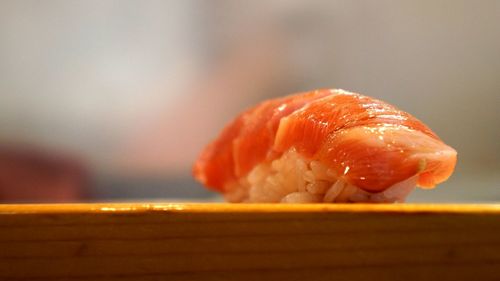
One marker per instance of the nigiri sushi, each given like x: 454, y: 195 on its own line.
x: 324, y: 146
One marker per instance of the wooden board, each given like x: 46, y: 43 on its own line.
x: 249, y: 242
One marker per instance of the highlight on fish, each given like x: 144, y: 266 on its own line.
x: 324, y: 146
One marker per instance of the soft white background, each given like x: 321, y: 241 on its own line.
x: 137, y: 87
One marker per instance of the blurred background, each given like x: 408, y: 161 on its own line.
x: 113, y: 100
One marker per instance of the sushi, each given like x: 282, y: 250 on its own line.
x: 324, y: 146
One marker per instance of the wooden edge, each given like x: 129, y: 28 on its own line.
x: 246, y: 208
x: 177, y: 241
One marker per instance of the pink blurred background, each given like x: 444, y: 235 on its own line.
x: 115, y: 99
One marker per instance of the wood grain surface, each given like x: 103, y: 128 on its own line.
x: 249, y: 242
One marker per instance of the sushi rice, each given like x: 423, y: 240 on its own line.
x: 295, y: 179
